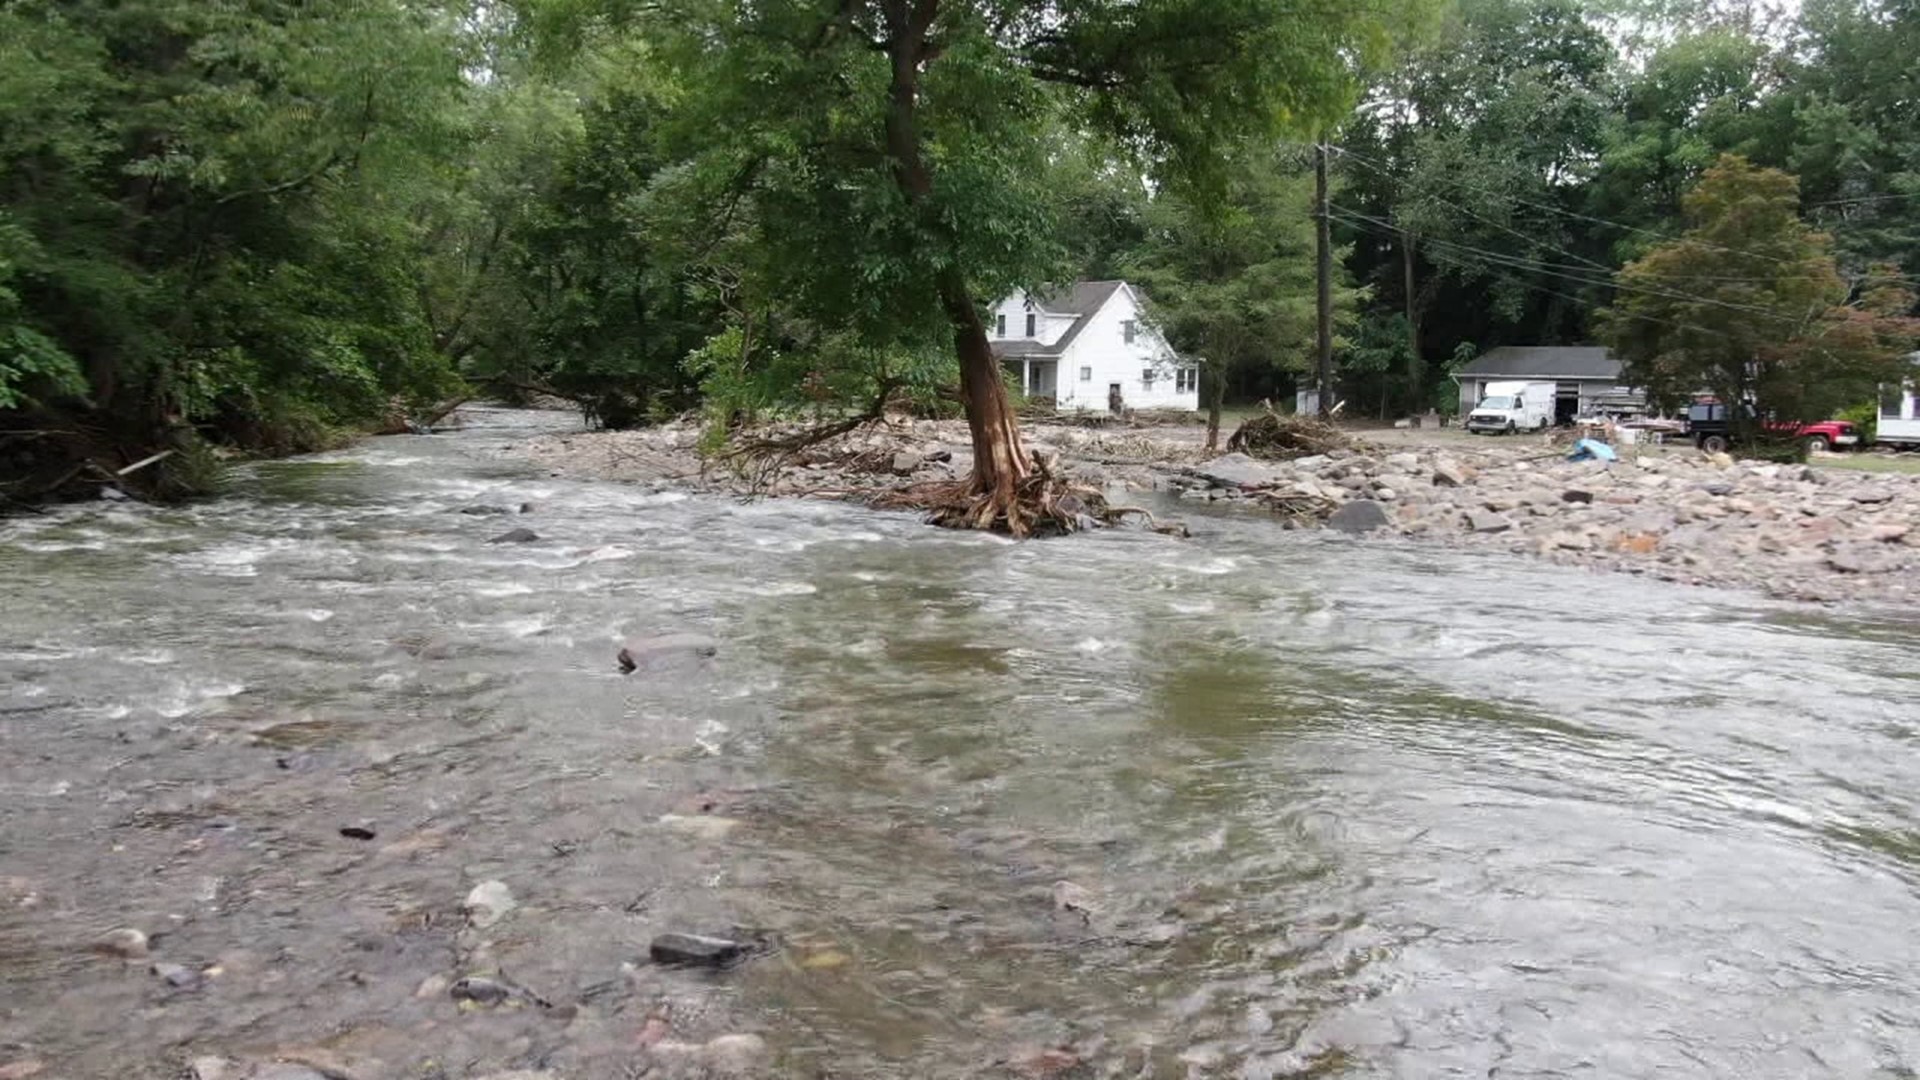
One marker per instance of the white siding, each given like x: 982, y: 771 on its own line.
x: 1102, y: 350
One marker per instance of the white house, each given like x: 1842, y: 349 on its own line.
x: 1090, y: 348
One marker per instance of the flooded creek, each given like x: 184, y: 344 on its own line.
x: 1256, y: 804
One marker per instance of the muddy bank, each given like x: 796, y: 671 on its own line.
x: 1795, y: 532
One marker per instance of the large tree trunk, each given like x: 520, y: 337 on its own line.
x: 1000, y: 461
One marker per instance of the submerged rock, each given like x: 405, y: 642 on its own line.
x: 126, y: 943
x: 488, y: 903
x: 516, y: 536
x: 736, y: 1055
x: 179, y: 976
x: 695, y: 950
x: 641, y: 651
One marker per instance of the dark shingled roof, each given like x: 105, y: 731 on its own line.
x: 1080, y: 300
x: 1544, y: 361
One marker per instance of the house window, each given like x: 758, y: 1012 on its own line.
x: 1131, y: 329
x: 999, y: 326
x: 1086, y: 374
x: 1031, y: 325
x: 1186, y: 379
x: 1146, y: 377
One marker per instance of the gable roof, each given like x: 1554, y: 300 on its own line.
x: 1544, y: 361
x: 1080, y: 300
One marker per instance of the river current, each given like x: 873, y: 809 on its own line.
x: 1255, y: 804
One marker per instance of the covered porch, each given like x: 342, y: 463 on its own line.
x: 1038, y: 378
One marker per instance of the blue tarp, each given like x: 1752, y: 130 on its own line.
x: 1592, y: 450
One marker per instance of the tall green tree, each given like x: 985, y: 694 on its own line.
x: 196, y: 223
x: 1747, y: 304
x: 1232, y: 281
x: 894, y: 152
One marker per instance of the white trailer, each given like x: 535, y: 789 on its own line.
x: 1899, y: 423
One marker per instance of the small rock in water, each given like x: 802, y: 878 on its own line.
x: 113, y: 494
x: 432, y: 987
x: 642, y: 650
x: 704, y: 826
x: 482, y: 511
x: 1359, y: 516
x: 356, y: 832
x: 736, y: 1055
x: 481, y: 990
x: 528, y: 508
x: 179, y: 976
x: 213, y: 1068
x: 126, y: 943
x: 516, y: 536
x: 488, y: 903
x: 285, y: 1070
x: 695, y: 950
x: 1078, y: 899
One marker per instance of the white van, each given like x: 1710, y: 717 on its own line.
x: 1509, y: 407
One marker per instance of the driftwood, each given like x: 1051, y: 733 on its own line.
x: 1277, y: 437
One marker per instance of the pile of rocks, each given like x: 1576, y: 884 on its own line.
x: 1793, y: 531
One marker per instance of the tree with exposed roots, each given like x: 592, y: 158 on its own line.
x: 888, y: 158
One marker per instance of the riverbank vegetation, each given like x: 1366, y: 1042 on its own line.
x: 262, y: 227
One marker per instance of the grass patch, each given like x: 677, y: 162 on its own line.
x: 1904, y: 464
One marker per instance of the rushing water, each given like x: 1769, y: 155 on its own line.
x: 1337, y: 809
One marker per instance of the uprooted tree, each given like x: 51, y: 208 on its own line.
x: 888, y: 158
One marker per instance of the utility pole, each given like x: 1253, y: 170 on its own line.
x: 1325, y: 245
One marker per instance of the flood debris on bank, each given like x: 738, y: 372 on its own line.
x: 1798, y: 532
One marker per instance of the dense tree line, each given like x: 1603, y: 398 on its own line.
x: 263, y: 224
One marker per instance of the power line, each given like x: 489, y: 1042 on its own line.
x: 1383, y: 170
x: 1519, y: 263
x: 1533, y: 287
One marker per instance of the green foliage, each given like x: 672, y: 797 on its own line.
x: 1231, y: 279
x: 1865, y: 417
x: 197, y: 214
x: 1747, y: 304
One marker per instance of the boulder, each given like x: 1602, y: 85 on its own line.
x: 1360, y: 516
x: 1237, y: 471
x: 1402, y: 462
x: 1873, y: 496
x: 516, y: 536
x: 906, y: 461
x: 1449, y: 474
x: 695, y: 950
x: 1486, y: 521
x: 643, y: 651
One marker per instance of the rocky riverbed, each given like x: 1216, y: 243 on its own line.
x: 1792, y: 531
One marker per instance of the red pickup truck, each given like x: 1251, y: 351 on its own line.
x: 1707, y: 423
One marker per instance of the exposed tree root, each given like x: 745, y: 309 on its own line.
x: 1042, y: 504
